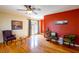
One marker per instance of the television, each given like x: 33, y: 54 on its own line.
x: 53, y: 33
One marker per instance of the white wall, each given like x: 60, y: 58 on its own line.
x: 5, y: 24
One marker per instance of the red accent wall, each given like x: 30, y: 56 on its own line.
x: 71, y: 28
x: 42, y: 25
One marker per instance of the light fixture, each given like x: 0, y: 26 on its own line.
x: 29, y: 12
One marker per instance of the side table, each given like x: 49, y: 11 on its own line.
x: 60, y: 40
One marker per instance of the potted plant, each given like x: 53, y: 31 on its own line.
x: 70, y: 38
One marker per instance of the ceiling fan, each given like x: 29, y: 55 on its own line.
x: 30, y: 9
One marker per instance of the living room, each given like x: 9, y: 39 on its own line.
x: 62, y: 20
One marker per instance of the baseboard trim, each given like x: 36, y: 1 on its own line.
x: 72, y: 44
x: 76, y: 45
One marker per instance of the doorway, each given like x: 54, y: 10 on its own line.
x: 33, y: 27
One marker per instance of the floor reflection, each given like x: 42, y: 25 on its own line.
x: 34, y: 41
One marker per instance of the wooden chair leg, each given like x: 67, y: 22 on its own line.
x: 25, y: 40
x: 21, y: 41
x: 15, y: 42
x: 11, y: 41
x: 4, y: 43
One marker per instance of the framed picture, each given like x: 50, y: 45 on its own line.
x: 61, y: 22
x: 17, y: 25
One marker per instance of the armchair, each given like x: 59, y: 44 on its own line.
x: 8, y: 36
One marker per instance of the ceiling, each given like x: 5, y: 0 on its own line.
x: 45, y: 9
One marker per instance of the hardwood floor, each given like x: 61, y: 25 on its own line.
x: 36, y: 44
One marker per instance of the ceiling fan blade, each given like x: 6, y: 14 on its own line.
x: 21, y: 10
x: 35, y: 12
x: 38, y: 9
